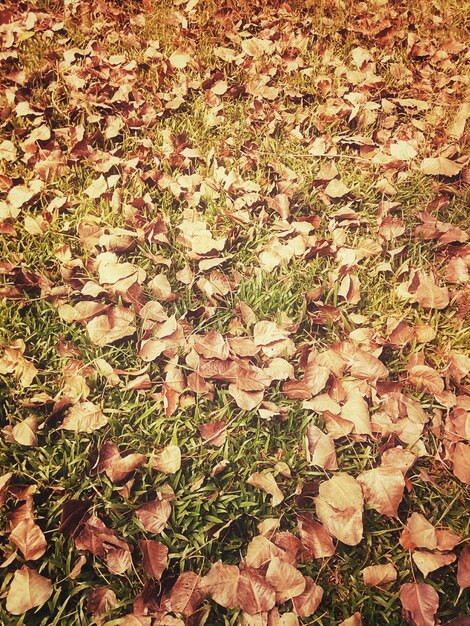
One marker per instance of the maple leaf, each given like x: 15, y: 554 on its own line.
x: 27, y: 590
x: 420, y: 603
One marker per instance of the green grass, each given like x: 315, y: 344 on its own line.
x: 215, y: 516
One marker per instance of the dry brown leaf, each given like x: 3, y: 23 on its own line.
x: 221, y: 583
x: 186, y: 596
x: 154, y: 557
x: 430, y: 561
x: 168, y: 460
x: 420, y: 603
x: 376, y: 575
x: 430, y: 296
x: 29, y: 538
x: 117, y: 467
x: 463, y: 569
x: 154, y: 515
x: 24, y: 432
x: 260, y: 551
x: 383, y: 489
x: 440, y: 166
x: 418, y: 533
x: 461, y: 461
x: 336, y: 189
x: 267, y: 482
x: 427, y: 377
x: 84, y: 417
x: 214, y: 433
x: 320, y: 448
x: 116, y: 324
x: 100, y: 600
x: 27, y: 590
x: 285, y: 579
x: 212, y: 346
x: 354, y: 620
x: 254, y: 594
x: 339, y: 507
x: 316, y: 540
x: 308, y: 601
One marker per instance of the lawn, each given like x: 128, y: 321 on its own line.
x: 234, y: 313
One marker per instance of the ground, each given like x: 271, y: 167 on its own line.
x: 234, y: 312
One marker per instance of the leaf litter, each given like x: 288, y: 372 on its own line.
x: 146, y: 244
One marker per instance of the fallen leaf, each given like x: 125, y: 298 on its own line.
x: 254, y: 593
x: 430, y: 561
x: 117, y: 467
x: 463, y: 569
x: 154, y: 515
x: 308, y: 601
x: 154, y: 557
x: 430, y: 296
x: 285, y: 579
x: 84, y: 417
x: 339, y: 507
x: 418, y: 533
x: 320, y: 448
x: 168, y: 460
x: 29, y: 538
x: 101, y: 600
x: 186, y: 596
x: 420, y: 603
x: 376, y: 575
x: 440, y: 166
x: 461, y: 461
x: 316, y: 540
x: 27, y: 590
x: 221, y: 584
x: 383, y: 489
x: 266, y: 482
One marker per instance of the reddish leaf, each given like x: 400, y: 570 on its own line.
x: 221, y: 583
x: 376, y: 575
x: 154, y: 556
x: 420, y: 603
x: 254, y: 593
x: 285, y: 579
x: 186, y: 596
x: 308, y: 601
x: 154, y: 515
